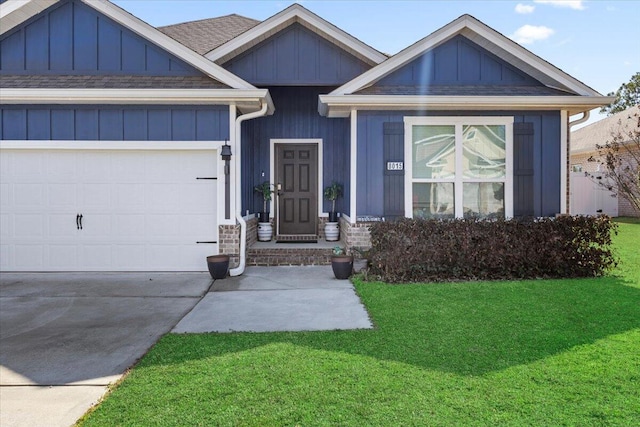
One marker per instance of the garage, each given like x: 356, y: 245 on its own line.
x: 133, y: 207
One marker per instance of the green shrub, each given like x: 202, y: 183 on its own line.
x: 416, y: 250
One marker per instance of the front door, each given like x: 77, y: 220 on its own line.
x: 297, y: 179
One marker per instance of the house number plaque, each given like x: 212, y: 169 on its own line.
x: 395, y: 166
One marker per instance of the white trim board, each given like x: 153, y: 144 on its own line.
x: 341, y: 105
x: 109, y: 145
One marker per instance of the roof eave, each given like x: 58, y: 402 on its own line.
x: 246, y: 100
x: 341, y: 105
x: 15, y: 12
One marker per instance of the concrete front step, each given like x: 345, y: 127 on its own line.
x: 273, y: 254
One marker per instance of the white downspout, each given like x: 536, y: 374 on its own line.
x: 584, y: 118
x: 237, y: 159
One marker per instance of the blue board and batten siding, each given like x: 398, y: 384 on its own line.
x: 458, y: 61
x: 536, y: 161
x: 131, y: 123
x: 294, y: 57
x: 296, y: 116
x: 72, y: 38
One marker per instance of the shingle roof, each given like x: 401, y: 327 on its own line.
x: 464, y: 90
x: 112, y: 82
x: 586, y: 138
x: 206, y: 34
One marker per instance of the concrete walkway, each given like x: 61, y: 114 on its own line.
x: 268, y: 299
x: 64, y: 337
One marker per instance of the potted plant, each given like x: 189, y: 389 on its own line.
x: 218, y: 266
x: 361, y: 259
x: 341, y: 264
x: 331, y: 228
x: 265, y: 230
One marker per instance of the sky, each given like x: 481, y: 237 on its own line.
x: 596, y: 42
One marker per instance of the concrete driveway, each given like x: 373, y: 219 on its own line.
x: 64, y: 337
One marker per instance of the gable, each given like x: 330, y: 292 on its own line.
x: 296, y: 56
x: 457, y: 61
x: 72, y: 38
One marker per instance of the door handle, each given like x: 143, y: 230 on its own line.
x: 77, y: 221
x: 80, y: 221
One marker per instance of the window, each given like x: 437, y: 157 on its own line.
x: 459, y: 167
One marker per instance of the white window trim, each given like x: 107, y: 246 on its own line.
x: 458, y: 122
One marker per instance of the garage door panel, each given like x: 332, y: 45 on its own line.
x: 29, y: 196
x: 142, y: 210
x: 96, y: 256
x: 129, y: 198
x: 198, y: 227
x: 63, y: 257
x: 130, y: 257
x: 200, y: 195
x: 97, y: 226
x: 60, y: 197
x: 29, y: 227
x: 27, y: 168
x: 129, y: 169
x: 95, y: 197
x: 5, y: 226
x: 130, y: 227
x: 61, y: 167
x: 29, y: 256
x: 5, y: 194
x: 5, y: 256
x: 62, y: 226
x: 94, y: 166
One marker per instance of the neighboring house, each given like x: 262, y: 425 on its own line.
x: 583, y: 147
x: 112, y: 130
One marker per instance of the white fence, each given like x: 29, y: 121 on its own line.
x: 588, y: 197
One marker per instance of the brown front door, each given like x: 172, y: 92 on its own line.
x: 297, y: 176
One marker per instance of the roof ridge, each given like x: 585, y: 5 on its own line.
x: 210, y: 19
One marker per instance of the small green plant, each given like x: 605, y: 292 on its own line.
x: 265, y: 191
x: 337, y: 250
x: 332, y: 193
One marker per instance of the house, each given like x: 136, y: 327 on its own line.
x: 112, y: 132
x: 596, y: 199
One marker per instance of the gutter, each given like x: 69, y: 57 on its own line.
x: 584, y: 118
x: 237, y: 159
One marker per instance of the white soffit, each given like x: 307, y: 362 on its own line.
x: 15, y: 12
x: 311, y: 21
x: 341, y: 105
x: 485, y: 37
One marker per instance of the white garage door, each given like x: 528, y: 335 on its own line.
x: 141, y: 210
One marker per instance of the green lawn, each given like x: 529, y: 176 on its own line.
x: 547, y: 352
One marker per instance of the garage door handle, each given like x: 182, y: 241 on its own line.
x: 78, y: 221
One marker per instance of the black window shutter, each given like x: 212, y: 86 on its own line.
x: 523, y: 172
x: 393, y: 179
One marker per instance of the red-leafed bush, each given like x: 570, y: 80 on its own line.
x: 416, y: 250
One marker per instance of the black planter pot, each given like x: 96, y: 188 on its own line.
x: 263, y: 217
x: 218, y: 266
x: 342, y: 266
x: 333, y: 217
